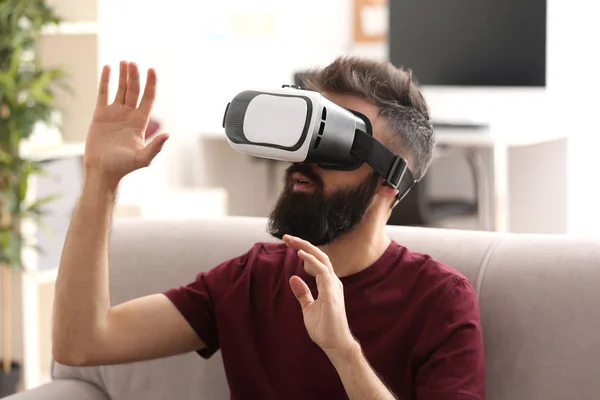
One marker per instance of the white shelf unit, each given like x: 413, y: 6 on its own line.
x: 75, y: 47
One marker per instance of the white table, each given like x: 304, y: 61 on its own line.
x: 493, y: 197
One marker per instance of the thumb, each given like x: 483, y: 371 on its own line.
x: 148, y: 153
x: 301, y: 291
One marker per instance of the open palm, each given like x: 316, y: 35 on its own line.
x: 116, y: 138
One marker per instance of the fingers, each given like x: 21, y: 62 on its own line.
x: 102, y: 99
x: 301, y: 291
x: 313, y: 265
x: 149, y: 93
x: 301, y: 244
x: 128, y: 92
x: 123, y: 77
x: 133, y: 86
x: 148, y: 153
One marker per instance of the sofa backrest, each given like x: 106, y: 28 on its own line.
x: 539, y: 297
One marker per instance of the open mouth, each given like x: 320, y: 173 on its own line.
x: 301, y: 182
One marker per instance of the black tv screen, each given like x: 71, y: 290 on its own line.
x: 470, y: 42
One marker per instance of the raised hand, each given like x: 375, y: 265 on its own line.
x: 324, y: 318
x: 115, y: 144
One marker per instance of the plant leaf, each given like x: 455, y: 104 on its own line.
x: 27, y: 97
x: 36, y: 206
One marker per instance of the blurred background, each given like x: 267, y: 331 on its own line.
x: 512, y: 85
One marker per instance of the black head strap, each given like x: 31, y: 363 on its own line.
x: 392, y: 167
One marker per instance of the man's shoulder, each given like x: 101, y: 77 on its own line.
x: 434, y: 275
x: 440, y: 294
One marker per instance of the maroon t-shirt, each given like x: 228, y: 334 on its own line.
x: 416, y: 319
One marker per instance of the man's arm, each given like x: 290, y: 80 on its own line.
x: 357, y: 376
x: 86, y: 330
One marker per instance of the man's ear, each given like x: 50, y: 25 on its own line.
x: 386, y: 190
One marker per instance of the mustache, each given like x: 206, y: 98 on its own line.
x: 305, y: 170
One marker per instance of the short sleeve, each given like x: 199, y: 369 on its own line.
x: 197, y: 300
x: 455, y: 368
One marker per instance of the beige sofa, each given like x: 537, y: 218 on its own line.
x: 539, y: 295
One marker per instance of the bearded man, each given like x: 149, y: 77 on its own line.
x: 335, y: 310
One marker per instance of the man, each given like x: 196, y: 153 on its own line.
x: 335, y: 310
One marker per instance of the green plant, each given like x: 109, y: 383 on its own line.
x: 27, y: 97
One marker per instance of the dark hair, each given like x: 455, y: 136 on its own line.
x: 394, y: 92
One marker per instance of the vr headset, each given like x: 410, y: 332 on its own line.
x: 297, y: 125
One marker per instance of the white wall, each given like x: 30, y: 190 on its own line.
x: 574, y: 72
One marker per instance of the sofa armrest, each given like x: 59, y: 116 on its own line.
x: 62, y: 389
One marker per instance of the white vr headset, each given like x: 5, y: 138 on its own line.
x: 296, y: 125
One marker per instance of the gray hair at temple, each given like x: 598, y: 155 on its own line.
x: 394, y: 91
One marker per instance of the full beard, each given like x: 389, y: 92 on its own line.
x: 316, y: 217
